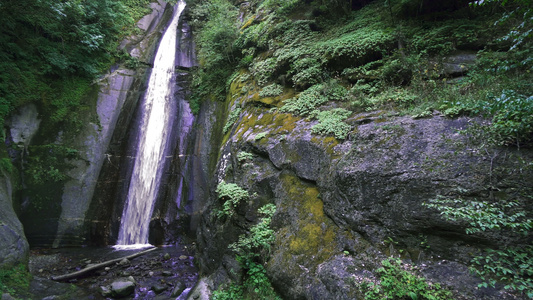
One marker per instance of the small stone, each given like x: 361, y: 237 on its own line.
x: 183, y: 257
x: 105, y: 291
x: 150, y: 273
x: 107, y: 268
x: 166, y: 273
x: 159, y: 288
x: 178, y: 289
x: 7, y: 296
x: 166, y: 256
x: 124, y: 262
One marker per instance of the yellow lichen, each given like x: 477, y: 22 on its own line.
x: 313, y: 235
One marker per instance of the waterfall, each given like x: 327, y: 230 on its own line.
x: 155, y: 127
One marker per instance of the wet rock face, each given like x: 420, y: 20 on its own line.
x: 344, y: 206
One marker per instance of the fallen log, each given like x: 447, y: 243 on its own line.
x: 98, y: 266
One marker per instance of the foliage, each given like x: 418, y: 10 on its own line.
x: 14, y: 280
x: 309, y: 100
x: 306, y: 72
x: 512, y: 117
x: 6, y: 165
x: 483, y: 215
x: 396, y: 281
x: 255, y: 286
x: 215, y: 31
x: 232, y: 118
x: 260, y: 136
x: 249, y: 249
x: 45, y: 42
x: 272, y: 90
x: 259, y: 238
x: 330, y: 122
x: 48, y: 164
x: 514, y: 266
x: 232, y: 195
x: 262, y: 70
x: 243, y: 156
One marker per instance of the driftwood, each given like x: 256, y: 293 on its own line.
x: 98, y: 266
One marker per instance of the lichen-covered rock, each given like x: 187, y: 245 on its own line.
x: 344, y: 206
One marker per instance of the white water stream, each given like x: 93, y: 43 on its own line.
x: 155, y: 128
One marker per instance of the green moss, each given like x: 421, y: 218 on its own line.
x: 15, y: 281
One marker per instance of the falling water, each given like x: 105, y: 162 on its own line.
x: 155, y: 128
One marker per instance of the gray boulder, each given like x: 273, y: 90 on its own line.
x: 122, y: 287
x: 14, y: 248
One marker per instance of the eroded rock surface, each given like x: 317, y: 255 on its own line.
x: 343, y: 206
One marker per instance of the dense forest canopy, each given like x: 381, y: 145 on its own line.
x: 51, y: 50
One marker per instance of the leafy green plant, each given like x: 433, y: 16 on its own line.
x: 482, y: 215
x: 397, y: 281
x: 272, y: 90
x: 260, y: 136
x: 513, y: 266
x: 330, y: 122
x: 6, y: 165
x: 513, y: 117
x: 49, y: 163
x: 232, y: 118
x: 232, y: 195
x: 244, y: 156
x: 306, y: 103
x: 262, y: 70
x: 250, y: 248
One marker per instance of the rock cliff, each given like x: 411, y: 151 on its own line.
x: 343, y: 206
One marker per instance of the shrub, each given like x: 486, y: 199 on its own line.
x: 243, y: 156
